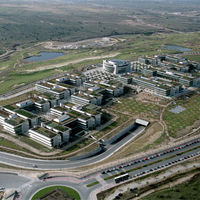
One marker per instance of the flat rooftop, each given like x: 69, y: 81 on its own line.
x: 61, y: 109
x: 89, y: 109
x: 25, y: 113
x: 44, y: 131
x: 4, y: 113
x: 76, y: 114
x: 83, y: 96
x: 14, y: 121
x: 58, y: 126
x: 10, y: 107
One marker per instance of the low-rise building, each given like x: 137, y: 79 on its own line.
x: 32, y: 118
x: 157, y: 87
x: 83, y: 121
x: 16, y: 125
x: 58, y: 111
x: 84, y: 99
x: 63, y: 131
x: 59, y: 92
x: 3, y: 116
x: 45, y: 136
x: 72, y: 79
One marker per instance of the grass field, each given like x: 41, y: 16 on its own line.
x: 15, y: 72
x: 34, y: 144
x: 121, y: 119
x: 194, y: 58
x: 177, y: 122
x: 186, y: 191
x: 71, y: 192
x: 134, y: 107
x: 9, y: 144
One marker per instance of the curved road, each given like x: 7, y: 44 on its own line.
x: 22, y: 162
x: 182, y: 152
x: 27, y: 195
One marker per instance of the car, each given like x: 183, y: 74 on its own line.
x: 133, y: 189
x: 35, y: 166
x: 137, y: 174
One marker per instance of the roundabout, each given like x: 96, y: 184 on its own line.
x: 56, y: 192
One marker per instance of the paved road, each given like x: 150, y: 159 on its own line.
x: 12, y: 180
x: 22, y: 162
x: 87, y: 193
x: 27, y: 193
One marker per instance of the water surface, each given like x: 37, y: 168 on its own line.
x: 177, y: 48
x: 43, y: 56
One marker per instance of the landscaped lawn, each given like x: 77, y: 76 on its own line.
x: 180, y: 121
x: 132, y: 106
x: 71, y: 192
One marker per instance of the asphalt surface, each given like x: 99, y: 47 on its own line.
x: 147, y: 167
x: 27, y: 194
x: 29, y: 163
x: 12, y: 180
x: 155, y: 166
x: 151, y: 158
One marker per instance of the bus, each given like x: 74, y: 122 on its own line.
x: 121, y: 178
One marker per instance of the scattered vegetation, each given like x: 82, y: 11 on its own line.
x: 178, y: 122
x: 69, y: 191
x: 188, y: 190
x: 133, y: 107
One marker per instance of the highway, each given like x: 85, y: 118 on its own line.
x: 28, y: 163
x: 164, y: 159
x: 137, y: 167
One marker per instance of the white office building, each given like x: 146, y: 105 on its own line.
x: 116, y: 66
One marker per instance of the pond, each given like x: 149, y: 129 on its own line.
x: 177, y: 48
x: 43, y: 56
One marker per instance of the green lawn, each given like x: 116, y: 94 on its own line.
x: 186, y: 191
x: 34, y: 144
x: 9, y: 144
x: 194, y: 58
x: 121, y: 119
x: 132, y: 106
x: 177, y: 122
x: 71, y: 192
x: 133, y: 47
x: 92, y: 184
